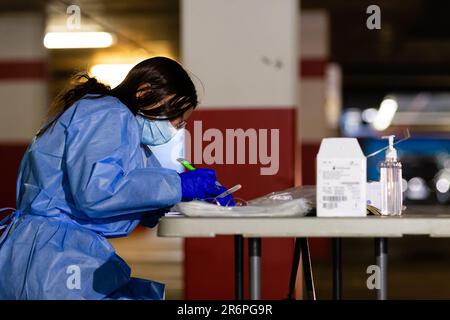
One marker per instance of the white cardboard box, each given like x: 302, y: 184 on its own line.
x: 341, y: 178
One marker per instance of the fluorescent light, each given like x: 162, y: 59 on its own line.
x: 417, y: 189
x: 443, y: 185
x: 369, y: 115
x: 385, y: 114
x: 111, y: 74
x: 352, y: 121
x: 72, y: 40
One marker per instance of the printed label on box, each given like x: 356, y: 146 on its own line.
x: 341, y: 186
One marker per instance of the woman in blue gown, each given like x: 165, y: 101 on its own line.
x: 89, y: 175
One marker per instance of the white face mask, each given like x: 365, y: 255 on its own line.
x: 156, y: 132
x: 168, y: 153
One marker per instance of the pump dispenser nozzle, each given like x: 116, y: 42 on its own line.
x: 391, y: 153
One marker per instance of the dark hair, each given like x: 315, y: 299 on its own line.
x: 171, y: 92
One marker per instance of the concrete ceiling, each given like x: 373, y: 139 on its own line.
x: 142, y: 29
x: 411, y: 51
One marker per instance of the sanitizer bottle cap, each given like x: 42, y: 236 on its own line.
x: 391, y: 153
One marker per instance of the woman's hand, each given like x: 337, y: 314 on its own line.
x: 198, y: 184
x: 225, y: 201
x: 201, y: 184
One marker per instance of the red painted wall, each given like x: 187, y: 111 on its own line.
x: 209, y: 262
x: 10, y: 156
x: 309, y: 153
x: 22, y: 70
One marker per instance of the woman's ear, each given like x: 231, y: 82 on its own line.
x: 143, y: 89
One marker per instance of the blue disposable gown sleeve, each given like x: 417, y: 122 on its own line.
x: 105, y: 167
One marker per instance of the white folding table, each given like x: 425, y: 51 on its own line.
x: 432, y: 221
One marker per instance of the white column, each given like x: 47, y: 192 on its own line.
x: 244, y: 51
x: 23, y: 83
x: 320, y: 84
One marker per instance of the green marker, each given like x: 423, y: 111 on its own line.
x: 186, y: 164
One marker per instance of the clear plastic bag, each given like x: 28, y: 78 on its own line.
x: 297, y: 201
x: 302, y: 192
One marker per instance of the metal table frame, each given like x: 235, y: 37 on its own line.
x: 379, y: 228
x: 381, y: 257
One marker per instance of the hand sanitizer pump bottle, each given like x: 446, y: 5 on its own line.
x: 391, y: 182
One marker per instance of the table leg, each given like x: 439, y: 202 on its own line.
x: 239, y: 267
x: 307, y: 270
x: 294, y: 269
x: 337, y: 269
x: 381, y: 252
x: 254, y: 252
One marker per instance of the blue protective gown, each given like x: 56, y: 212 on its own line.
x: 85, y: 179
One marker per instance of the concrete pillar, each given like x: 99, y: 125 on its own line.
x: 23, y: 91
x: 245, y: 54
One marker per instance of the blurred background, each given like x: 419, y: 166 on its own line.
x: 310, y: 68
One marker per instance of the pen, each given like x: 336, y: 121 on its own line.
x: 229, y: 191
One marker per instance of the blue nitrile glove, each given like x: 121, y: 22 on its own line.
x: 225, y: 201
x: 198, y: 184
